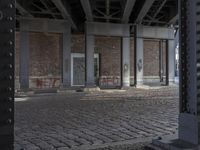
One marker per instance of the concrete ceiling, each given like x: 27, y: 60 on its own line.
x: 146, y: 12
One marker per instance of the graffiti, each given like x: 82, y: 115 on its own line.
x: 46, y: 82
x: 125, y: 67
x: 139, y: 65
x: 107, y: 81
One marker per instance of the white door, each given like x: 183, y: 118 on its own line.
x: 78, y: 68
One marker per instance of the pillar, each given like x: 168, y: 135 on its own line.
x: 171, y: 61
x: 66, y: 57
x: 188, y: 132
x: 24, y: 58
x: 176, y: 45
x: 189, y: 68
x: 89, y: 59
x: 161, y: 69
x: 7, y: 76
x: 139, y: 60
x: 125, y: 61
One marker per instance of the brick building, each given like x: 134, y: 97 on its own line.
x: 58, y: 46
x: 45, y: 59
x: 101, y: 43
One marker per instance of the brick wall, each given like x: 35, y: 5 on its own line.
x: 110, y: 50
x: 108, y: 47
x: 151, y: 58
x: 78, y: 43
x: 45, y: 57
x: 44, y: 64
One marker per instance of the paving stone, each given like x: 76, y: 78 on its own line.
x: 64, y: 121
x: 63, y: 148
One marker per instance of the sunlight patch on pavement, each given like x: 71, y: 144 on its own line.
x: 21, y: 99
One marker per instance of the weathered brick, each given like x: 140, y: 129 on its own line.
x: 45, y: 62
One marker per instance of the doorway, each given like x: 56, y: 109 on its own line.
x: 78, y: 69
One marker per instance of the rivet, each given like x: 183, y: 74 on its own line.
x: 9, y: 89
x: 10, y: 66
x: 10, y: 6
x: 10, y: 54
x: 10, y: 42
x: 10, y: 77
x: 9, y: 121
x: 10, y: 18
x: 11, y: 30
x: 10, y: 99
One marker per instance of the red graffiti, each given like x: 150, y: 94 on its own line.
x: 46, y: 82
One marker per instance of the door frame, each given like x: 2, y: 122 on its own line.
x: 80, y: 55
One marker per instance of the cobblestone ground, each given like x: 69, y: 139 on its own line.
x: 84, y: 120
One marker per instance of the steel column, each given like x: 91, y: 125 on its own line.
x: 89, y: 53
x: 66, y: 58
x: 189, y: 39
x: 7, y: 52
x: 126, y: 61
x: 171, y: 60
x: 139, y: 49
x: 190, y: 70
x: 24, y: 58
x: 161, y: 70
x: 167, y: 63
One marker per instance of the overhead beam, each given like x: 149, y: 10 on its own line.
x: 109, y: 17
x: 150, y: 32
x: 45, y: 25
x: 108, y: 29
x: 65, y: 13
x: 173, y: 19
x: 159, y: 9
x: 22, y: 10
x: 127, y: 11
x: 87, y: 9
x: 145, y: 8
x: 154, y: 21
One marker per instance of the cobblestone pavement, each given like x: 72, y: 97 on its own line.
x: 84, y: 120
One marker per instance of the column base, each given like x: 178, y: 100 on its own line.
x: 188, y: 128
x: 91, y: 89
x: 65, y: 86
x: 172, y: 81
x: 126, y: 85
x: 186, y: 139
x: 24, y: 83
x: 172, y: 144
x: 145, y: 87
x: 24, y: 87
x: 139, y: 82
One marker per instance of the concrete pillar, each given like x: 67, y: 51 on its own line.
x: 66, y: 60
x: 161, y: 69
x: 171, y: 60
x: 89, y: 58
x: 139, y: 60
x: 126, y: 61
x: 176, y: 45
x: 24, y: 59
